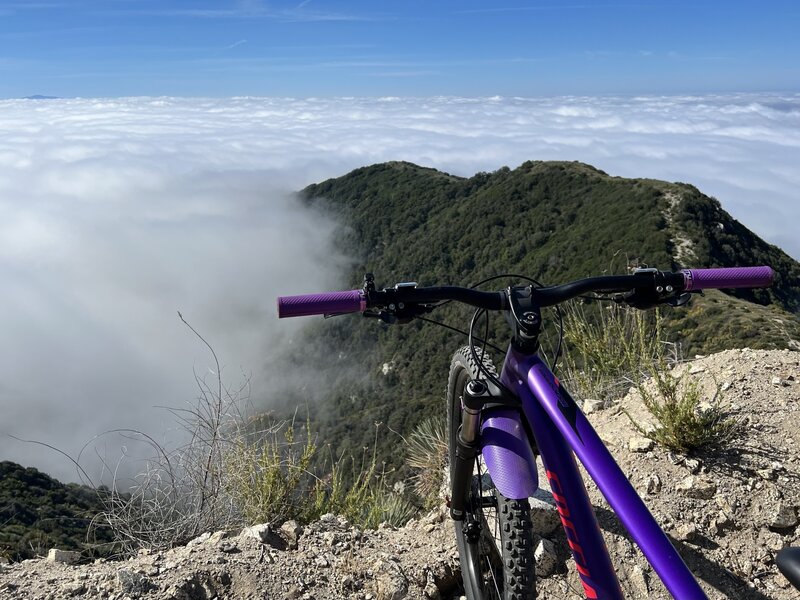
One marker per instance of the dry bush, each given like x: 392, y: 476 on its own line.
x: 685, y: 420
x: 426, y: 449
x: 609, y: 347
x: 180, y: 493
x: 231, y: 474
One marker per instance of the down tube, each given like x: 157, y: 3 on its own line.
x: 589, y: 551
x: 543, y: 394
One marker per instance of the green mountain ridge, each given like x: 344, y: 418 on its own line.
x: 555, y: 221
x: 38, y: 512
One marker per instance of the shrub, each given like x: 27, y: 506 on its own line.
x: 233, y: 473
x: 614, y: 346
x: 426, y: 449
x: 267, y: 474
x: 361, y: 493
x: 685, y: 422
x: 608, y: 347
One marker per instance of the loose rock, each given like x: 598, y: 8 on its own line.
x: 697, y: 487
x: 545, y: 557
x: 730, y: 540
x: 391, y: 581
x: 544, y: 515
x: 66, y: 557
x: 592, y: 406
x: 640, y: 444
x: 653, y: 484
x: 785, y: 516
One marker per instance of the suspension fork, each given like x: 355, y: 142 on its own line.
x: 467, y: 446
x: 491, y: 425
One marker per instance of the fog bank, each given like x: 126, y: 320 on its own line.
x: 117, y: 213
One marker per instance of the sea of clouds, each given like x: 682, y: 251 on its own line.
x: 116, y: 213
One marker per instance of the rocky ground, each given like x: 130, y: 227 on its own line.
x: 727, y: 512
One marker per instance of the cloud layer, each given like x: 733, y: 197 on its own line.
x: 117, y: 213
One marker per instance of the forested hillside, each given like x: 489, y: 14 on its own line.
x: 364, y: 381
x: 554, y: 221
x: 38, y: 512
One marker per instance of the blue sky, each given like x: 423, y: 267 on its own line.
x: 308, y: 48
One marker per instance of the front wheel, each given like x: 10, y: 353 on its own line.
x: 495, y: 539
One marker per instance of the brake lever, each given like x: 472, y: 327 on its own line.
x: 384, y: 315
x: 400, y: 315
x: 643, y: 300
x: 683, y: 299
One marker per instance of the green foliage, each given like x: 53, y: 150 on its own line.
x: 608, y: 345
x: 685, y: 422
x: 268, y: 478
x: 717, y: 321
x: 38, y: 512
x: 361, y: 493
x: 271, y: 480
x: 555, y: 221
x: 613, y: 346
x: 720, y: 240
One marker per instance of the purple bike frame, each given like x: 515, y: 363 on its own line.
x: 561, y: 428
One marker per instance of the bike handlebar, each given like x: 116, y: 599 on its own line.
x: 322, y: 304
x: 734, y: 277
x: 686, y: 280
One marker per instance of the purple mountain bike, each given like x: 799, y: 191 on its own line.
x: 500, y: 422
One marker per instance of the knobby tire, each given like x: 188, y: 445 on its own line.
x: 500, y: 565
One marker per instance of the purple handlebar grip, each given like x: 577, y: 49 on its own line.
x: 733, y: 277
x: 322, y: 304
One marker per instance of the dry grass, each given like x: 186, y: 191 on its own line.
x: 228, y: 474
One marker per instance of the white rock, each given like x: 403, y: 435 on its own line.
x: 693, y: 465
x: 291, y: 531
x: 431, y: 591
x: 785, y: 516
x: 723, y: 519
x: 653, y: 484
x: 321, y: 561
x: 640, y: 444
x: 261, y: 532
x: 592, y: 406
x: 66, y: 557
x: 638, y: 579
x: 697, y: 487
x: 544, y: 515
x: 199, y: 540
x: 686, y: 532
x: 545, y: 557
